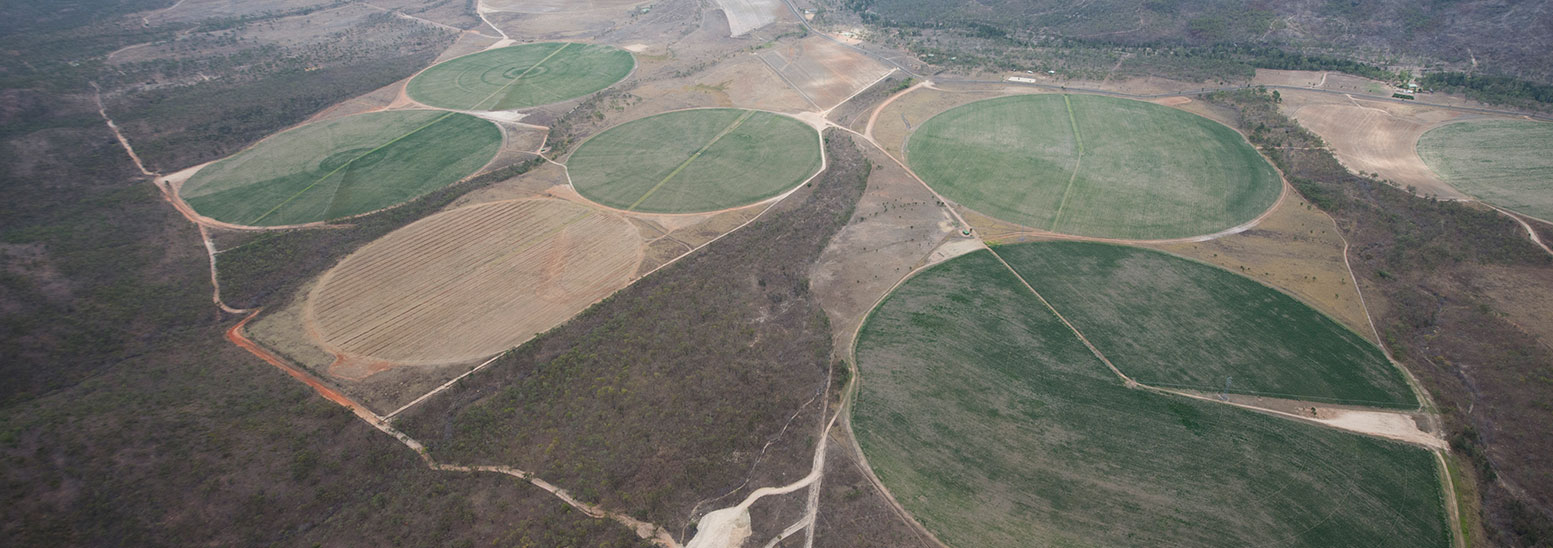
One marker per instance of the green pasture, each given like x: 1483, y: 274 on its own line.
x: 1503, y: 162
x: 695, y: 160
x: 994, y: 426
x: 1172, y: 322
x: 1094, y: 166
x: 521, y: 76
x: 342, y: 167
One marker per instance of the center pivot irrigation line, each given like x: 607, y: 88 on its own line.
x: 731, y: 127
x: 1078, y: 159
x: 347, y: 164
x: 520, y: 76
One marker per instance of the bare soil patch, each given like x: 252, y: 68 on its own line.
x: 469, y: 283
x: 1374, y: 137
x: 747, y: 15
x: 825, y: 72
x: 1296, y: 249
x: 896, y: 225
x: 538, y: 181
x: 746, y: 82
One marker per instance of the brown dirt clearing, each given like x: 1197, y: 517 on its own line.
x: 825, y: 72
x: 1374, y: 137
x: 895, y: 227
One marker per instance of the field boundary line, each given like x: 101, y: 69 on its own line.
x: 693, y: 157
x: 849, y: 396
x: 347, y: 164
x: 1078, y: 160
x: 520, y: 76
x: 647, y: 531
x: 1129, y: 382
x: 1126, y: 380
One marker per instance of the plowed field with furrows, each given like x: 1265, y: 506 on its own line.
x: 471, y: 282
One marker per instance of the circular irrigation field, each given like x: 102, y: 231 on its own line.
x: 521, y: 76
x: 993, y: 423
x: 471, y: 282
x: 1094, y: 166
x: 1502, y: 162
x: 696, y: 160
x: 342, y: 167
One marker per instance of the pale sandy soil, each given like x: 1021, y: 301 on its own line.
x: 896, y: 225
x: 1374, y: 137
x: 826, y: 73
x: 747, y: 15
x: 468, y: 283
x: 746, y: 82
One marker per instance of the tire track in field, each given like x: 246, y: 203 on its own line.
x: 1078, y: 160
x: 730, y: 129
x: 658, y: 536
x: 348, y: 164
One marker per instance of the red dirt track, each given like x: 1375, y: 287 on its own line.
x: 235, y: 334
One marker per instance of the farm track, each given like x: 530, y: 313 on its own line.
x: 847, y: 394
x: 647, y: 531
x: 1430, y: 442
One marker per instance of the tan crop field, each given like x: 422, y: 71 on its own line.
x: 1375, y: 137
x: 468, y: 283
x: 824, y: 71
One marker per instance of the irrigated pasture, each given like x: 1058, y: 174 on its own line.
x: 993, y: 425
x: 1172, y: 322
x: 520, y: 76
x: 695, y: 160
x: 471, y: 282
x: 342, y: 167
x: 1502, y: 162
x: 1094, y: 166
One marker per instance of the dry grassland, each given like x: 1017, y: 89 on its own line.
x: 561, y: 6
x: 528, y: 185
x: 825, y: 72
x: 1374, y: 137
x: 896, y: 225
x: 315, y: 28
x: 579, y: 20
x: 197, y: 10
x: 747, y: 15
x: 746, y: 82
x: 672, y: 236
x: 468, y: 283
x: 1296, y: 249
x: 1527, y: 305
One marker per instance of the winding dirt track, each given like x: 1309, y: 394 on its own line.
x: 647, y: 531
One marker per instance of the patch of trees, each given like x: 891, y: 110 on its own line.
x: 1425, y: 259
x: 1502, y: 90
x: 664, y: 394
